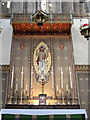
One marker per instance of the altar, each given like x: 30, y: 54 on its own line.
x: 42, y: 63
x: 44, y: 81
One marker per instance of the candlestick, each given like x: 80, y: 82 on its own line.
x: 52, y: 96
x: 10, y: 101
x: 63, y: 101
x: 12, y: 77
x: 25, y: 95
x: 22, y: 78
x: 32, y: 77
x: 73, y: 98
x: 68, y: 95
x: 61, y: 78
x: 52, y: 76
x: 21, y: 98
x: 16, y: 92
x: 58, y: 95
x: 31, y: 96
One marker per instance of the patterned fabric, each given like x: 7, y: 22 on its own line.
x: 26, y: 18
x: 25, y: 117
x: 59, y: 117
x: 68, y: 117
x: 42, y: 117
x: 17, y: 117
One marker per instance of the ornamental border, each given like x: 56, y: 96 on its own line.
x: 82, y: 67
x: 77, y: 67
x: 4, y: 67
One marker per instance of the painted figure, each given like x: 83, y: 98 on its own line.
x: 42, y: 61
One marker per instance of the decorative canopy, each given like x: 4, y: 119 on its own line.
x: 24, y: 24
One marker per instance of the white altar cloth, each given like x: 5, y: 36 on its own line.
x: 44, y: 111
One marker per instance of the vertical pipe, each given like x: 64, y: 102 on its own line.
x: 51, y: 18
x: 31, y: 19
x: 22, y: 6
x: 72, y: 6
x: 60, y: 6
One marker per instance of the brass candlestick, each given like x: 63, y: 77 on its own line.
x: 76, y: 97
x: 58, y: 97
x: 16, y: 97
x: 68, y: 96
x: 73, y: 99
x: 10, y: 101
x: 21, y: 102
x: 76, y: 100
x: 31, y: 96
x: 53, y: 96
x: 63, y: 101
x: 25, y: 96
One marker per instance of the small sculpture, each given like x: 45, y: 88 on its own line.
x: 40, y: 17
x: 85, y: 30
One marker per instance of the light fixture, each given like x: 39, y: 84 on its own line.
x: 40, y: 17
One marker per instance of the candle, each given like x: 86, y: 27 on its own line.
x: 26, y: 87
x: 22, y: 78
x: 12, y: 77
x: 71, y: 80
x: 21, y: 97
x: 52, y: 76
x: 70, y: 73
x: 32, y: 77
x: 69, y: 69
x: 67, y: 87
x: 57, y: 87
x: 61, y: 78
x: 17, y: 87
